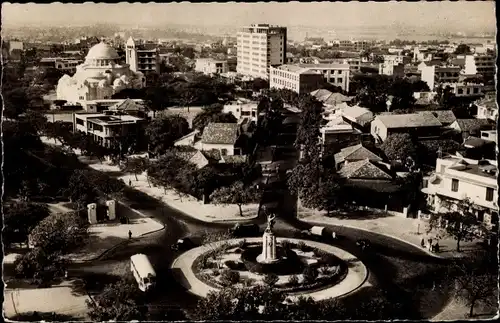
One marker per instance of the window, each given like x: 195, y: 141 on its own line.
x: 223, y: 152
x: 339, y: 80
x: 476, y: 90
x: 460, y: 91
x: 454, y: 185
x: 79, y: 121
x: 489, y: 194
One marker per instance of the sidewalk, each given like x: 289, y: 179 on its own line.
x: 59, y: 299
x: 186, y: 204
x: 404, y: 229
x: 106, y: 236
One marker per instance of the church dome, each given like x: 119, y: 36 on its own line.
x: 102, y: 51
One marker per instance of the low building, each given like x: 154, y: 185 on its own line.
x: 487, y: 109
x: 471, y: 126
x: 329, y: 98
x: 338, y: 134
x: 456, y: 179
x: 463, y: 89
x: 209, y: 66
x: 416, y: 124
x: 108, y: 129
x: 358, y: 117
x: 295, y: 78
x: 222, y: 137
x: 354, y: 154
x: 243, y: 110
x: 489, y: 135
x: 446, y: 117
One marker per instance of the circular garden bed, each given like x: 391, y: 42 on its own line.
x: 301, y: 268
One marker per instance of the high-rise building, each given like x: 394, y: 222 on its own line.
x: 259, y: 47
x: 144, y: 58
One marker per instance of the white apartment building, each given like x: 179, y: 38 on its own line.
x: 243, y: 110
x: 106, y: 129
x: 295, y: 78
x: 457, y: 178
x: 434, y: 75
x: 335, y: 74
x: 391, y: 69
x: 142, y: 59
x: 483, y: 64
x: 487, y: 109
x: 260, y: 46
x: 396, y: 59
x: 209, y: 66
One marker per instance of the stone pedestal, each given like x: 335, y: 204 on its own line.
x: 92, y: 213
x: 111, y: 204
x: 268, y: 254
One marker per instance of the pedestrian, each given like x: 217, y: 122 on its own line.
x: 66, y: 274
x: 129, y: 234
x: 422, y: 243
x: 129, y: 182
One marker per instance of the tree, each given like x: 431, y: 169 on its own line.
x: 163, y: 132
x: 212, y: 113
x: 36, y: 119
x: 398, y: 147
x: 237, y: 194
x: 475, y: 284
x: 463, y: 49
x: 20, y: 218
x: 459, y: 222
x: 134, y: 166
x: 330, y: 193
x: 60, y: 233
x: 270, y: 279
x: 40, y: 266
x: 120, y: 301
x: 259, y: 84
x: 79, y: 189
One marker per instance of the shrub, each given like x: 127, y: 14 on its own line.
x: 216, y: 272
x: 238, y: 250
x: 234, y: 265
x: 293, y: 280
x: 310, y: 274
x: 247, y: 282
x: 303, y: 247
x: 242, y: 243
x: 270, y: 279
x: 328, y: 259
x: 286, y: 245
x: 229, y: 277
x: 325, y: 270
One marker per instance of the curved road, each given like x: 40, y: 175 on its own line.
x: 388, y: 259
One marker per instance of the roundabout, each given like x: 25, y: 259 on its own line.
x: 340, y: 275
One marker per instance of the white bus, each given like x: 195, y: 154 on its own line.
x: 143, y: 271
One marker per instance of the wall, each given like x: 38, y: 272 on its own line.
x: 230, y: 148
x: 378, y: 129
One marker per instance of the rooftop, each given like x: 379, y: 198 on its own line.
x: 355, y: 153
x: 220, y: 133
x: 473, y: 124
x: 443, y: 116
x: 325, y: 66
x: 364, y: 169
x: 103, y: 119
x: 483, y: 169
x: 295, y: 69
x: 409, y: 120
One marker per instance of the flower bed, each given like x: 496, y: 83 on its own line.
x: 332, y: 269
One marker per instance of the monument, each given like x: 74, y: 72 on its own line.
x: 92, y: 213
x: 111, y: 204
x: 268, y: 254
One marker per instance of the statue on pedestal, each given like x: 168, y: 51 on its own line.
x: 270, y: 222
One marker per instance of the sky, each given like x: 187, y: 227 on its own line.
x: 475, y: 16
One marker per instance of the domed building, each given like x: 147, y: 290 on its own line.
x: 99, y: 77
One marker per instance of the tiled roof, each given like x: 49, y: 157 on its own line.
x: 212, y: 155
x: 364, y: 169
x: 220, y: 133
x: 443, y: 116
x: 199, y: 160
x: 474, y: 142
x: 128, y: 105
x: 409, y: 120
x: 472, y: 124
x: 379, y: 186
x: 356, y: 153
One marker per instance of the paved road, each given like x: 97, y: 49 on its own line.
x: 383, y: 262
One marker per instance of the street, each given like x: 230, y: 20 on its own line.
x: 400, y: 269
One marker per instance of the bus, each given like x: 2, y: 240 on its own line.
x: 143, y: 271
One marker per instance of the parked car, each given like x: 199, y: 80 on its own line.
x: 183, y: 244
x: 245, y: 230
x: 363, y: 244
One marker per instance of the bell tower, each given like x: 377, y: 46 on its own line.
x: 131, y: 54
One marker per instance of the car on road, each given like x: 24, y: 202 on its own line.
x: 245, y: 230
x: 363, y: 244
x: 183, y: 244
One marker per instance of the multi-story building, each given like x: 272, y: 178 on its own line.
x: 108, y: 128
x: 483, y: 64
x: 391, y: 69
x: 456, y: 179
x: 434, y: 75
x: 295, y: 78
x: 346, y: 45
x: 63, y: 64
x: 210, y: 66
x: 336, y: 74
x: 464, y: 89
x: 361, y: 45
x: 141, y: 58
x: 261, y: 46
x: 396, y: 59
